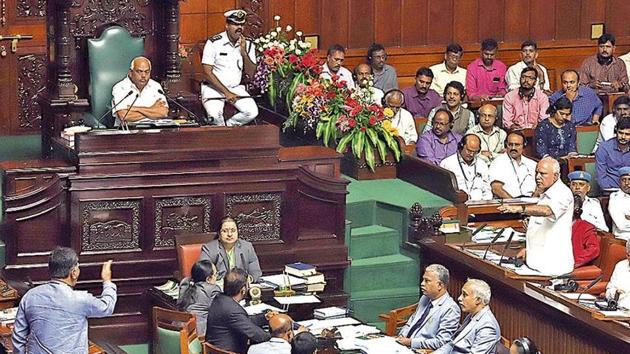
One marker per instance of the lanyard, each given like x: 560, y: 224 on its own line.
x: 472, y: 182
x: 518, y: 179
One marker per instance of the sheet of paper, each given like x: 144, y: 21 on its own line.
x: 574, y: 296
x: 381, y: 345
x: 298, y: 299
x: 618, y: 313
x: 356, y: 331
x: 525, y: 270
x: 316, y: 326
x: 260, y: 308
x: 281, y: 279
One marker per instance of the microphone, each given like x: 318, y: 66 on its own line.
x: 507, y: 245
x: 114, y: 106
x: 492, y: 243
x: 179, y: 105
x: 124, y: 118
x: 589, y: 286
x: 476, y: 231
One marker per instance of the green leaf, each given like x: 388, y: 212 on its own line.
x: 319, y: 130
x: 341, y: 147
x: 271, y: 91
x: 371, y: 133
x: 382, y: 149
x: 357, y: 144
x: 369, y: 157
x: 291, y: 92
x: 327, y: 133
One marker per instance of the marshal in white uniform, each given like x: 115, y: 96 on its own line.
x: 227, y: 63
x: 472, y: 179
x: 549, y: 247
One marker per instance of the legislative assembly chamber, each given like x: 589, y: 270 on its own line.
x: 315, y: 176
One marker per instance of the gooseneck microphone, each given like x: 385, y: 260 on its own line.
x: 589, y: 286
x: 114, y: 106
x: 494, y: 240
x: 178, y: 105
x: 124, y: 118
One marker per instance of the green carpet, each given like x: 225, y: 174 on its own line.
x: 135, y: 348
x: 20, y: 147
x: 382, y: 275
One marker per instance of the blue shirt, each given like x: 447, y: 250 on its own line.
x: 432, y: 150
x: 53, y: 318
x: 608, y: 160
x: 553, y: 141
x: 585, y: 105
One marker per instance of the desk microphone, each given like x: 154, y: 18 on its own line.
x: 124, y: 118
x: 496, y: 237
x: 475, y: 231
x: 179, y: 105
x: 507, y: 245
x: 114, y: 106
x: 589, y: 286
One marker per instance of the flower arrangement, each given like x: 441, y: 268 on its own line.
x: 347, y: 117
x: 283, y: 63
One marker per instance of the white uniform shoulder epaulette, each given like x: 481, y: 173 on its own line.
x: 215, y: 37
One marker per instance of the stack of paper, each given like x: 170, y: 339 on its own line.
x: 381, y: 345
x: 260, y: 308
x: 330, y: 313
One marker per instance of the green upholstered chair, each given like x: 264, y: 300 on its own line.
x: 175, y: 332
x: 586, y: 138
x: 109, y: 57
x: 590, y: 168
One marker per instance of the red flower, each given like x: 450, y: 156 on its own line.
x: 372, y: 120
x: 293, y: 58
x: 340, y: 84
x: 363, y: 129
x: 355, y: 111
x: 335, y: 77
x: 352, y: 123
x: 331, y: 95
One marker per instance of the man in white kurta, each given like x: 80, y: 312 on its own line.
x: 511, y: 173
x: 619, y: 206
x: 619, y: 284
x: 580, y: 184
x: 549, y: 249
x: 471, y: 172
x: 402, y: 119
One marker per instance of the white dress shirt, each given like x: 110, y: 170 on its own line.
x: 493, y: 142
x: 549, y: 247
x: 620, y: 280
x: 146, y: 98
x: 513, y: 76
x: 518, y: 178
x: 441, y: 77
x: 225, y: 58
x: 606, y: 130
x: 343, y: 73
x: 403, y: 121
x: 618, y: 208
x: 274, y: 345
x: 472, y: 179
x: 593, y: 213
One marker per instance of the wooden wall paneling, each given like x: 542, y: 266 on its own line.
x: 567, y: 19
x: 193, y: 28
x: 194, y: 7
x: 440, y: 21
x: 387, y: 22
x: 491, y: 18
x: 465, y: 21
x: 414, y: 23
x: 334, y: 23
x: 591, y: 11
x: 216, y: 23
x: 285, y: 9
x: 308, y: 17
x: 361, y: 23
x: 617, y: 15
x: 516, y: 20
x: 542, y: 19
x: 219, y: 5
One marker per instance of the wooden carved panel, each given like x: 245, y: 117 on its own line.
x: 257, y: 215
x: 255, y: 13
x: 180, y: 214
x: 126, y: 13
x: 110, y: 225
x: 31, y: 8
x: 31, y: 82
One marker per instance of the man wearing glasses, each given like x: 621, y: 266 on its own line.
x: 53, y: 317
x: 449, y: 70
x: 525, y: 107
x: 511, y: 173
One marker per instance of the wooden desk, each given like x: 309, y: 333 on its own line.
x: 555, y: 324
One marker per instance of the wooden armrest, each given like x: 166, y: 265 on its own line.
x: 588, y: 272
x: 396, y: 317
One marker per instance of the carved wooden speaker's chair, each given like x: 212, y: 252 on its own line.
x: 109, y: 57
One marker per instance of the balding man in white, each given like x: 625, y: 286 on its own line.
x: 549, y: 249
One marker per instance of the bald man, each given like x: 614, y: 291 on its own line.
x: 549, y: 249
x: 365, y: 81
x: 138, y: 98
x: 492, y: 137
x: 281, y: 327
x: 402, y: 119
x: 471, y: 172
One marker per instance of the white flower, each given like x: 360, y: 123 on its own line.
x: 298, y: 52
x: 278, y: 29
x: 274, y: 34
x: 257, y: 40
x: 305, y: 45
x: 298, y: 33
x: 289, y: 28
x: 276, y: 18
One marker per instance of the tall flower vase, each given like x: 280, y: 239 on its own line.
x: 358, y: 168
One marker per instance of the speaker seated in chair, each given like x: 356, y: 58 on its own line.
x: 109, y: 58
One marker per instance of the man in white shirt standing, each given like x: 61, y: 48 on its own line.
x: 449, y: 70
x: 529, y: 54
x: 512, y: 174
x: 225, y: 57
x: 138, y: 98
x: 402, y: 119
x: 621, y: 109
x: 471, y: 172
x: 619, y: 206
x: 332, y: 67
x: 549, y: 248
x: 619, y: 285
x: 580, y: 184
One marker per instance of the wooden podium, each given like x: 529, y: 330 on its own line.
x: 123, y: 196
